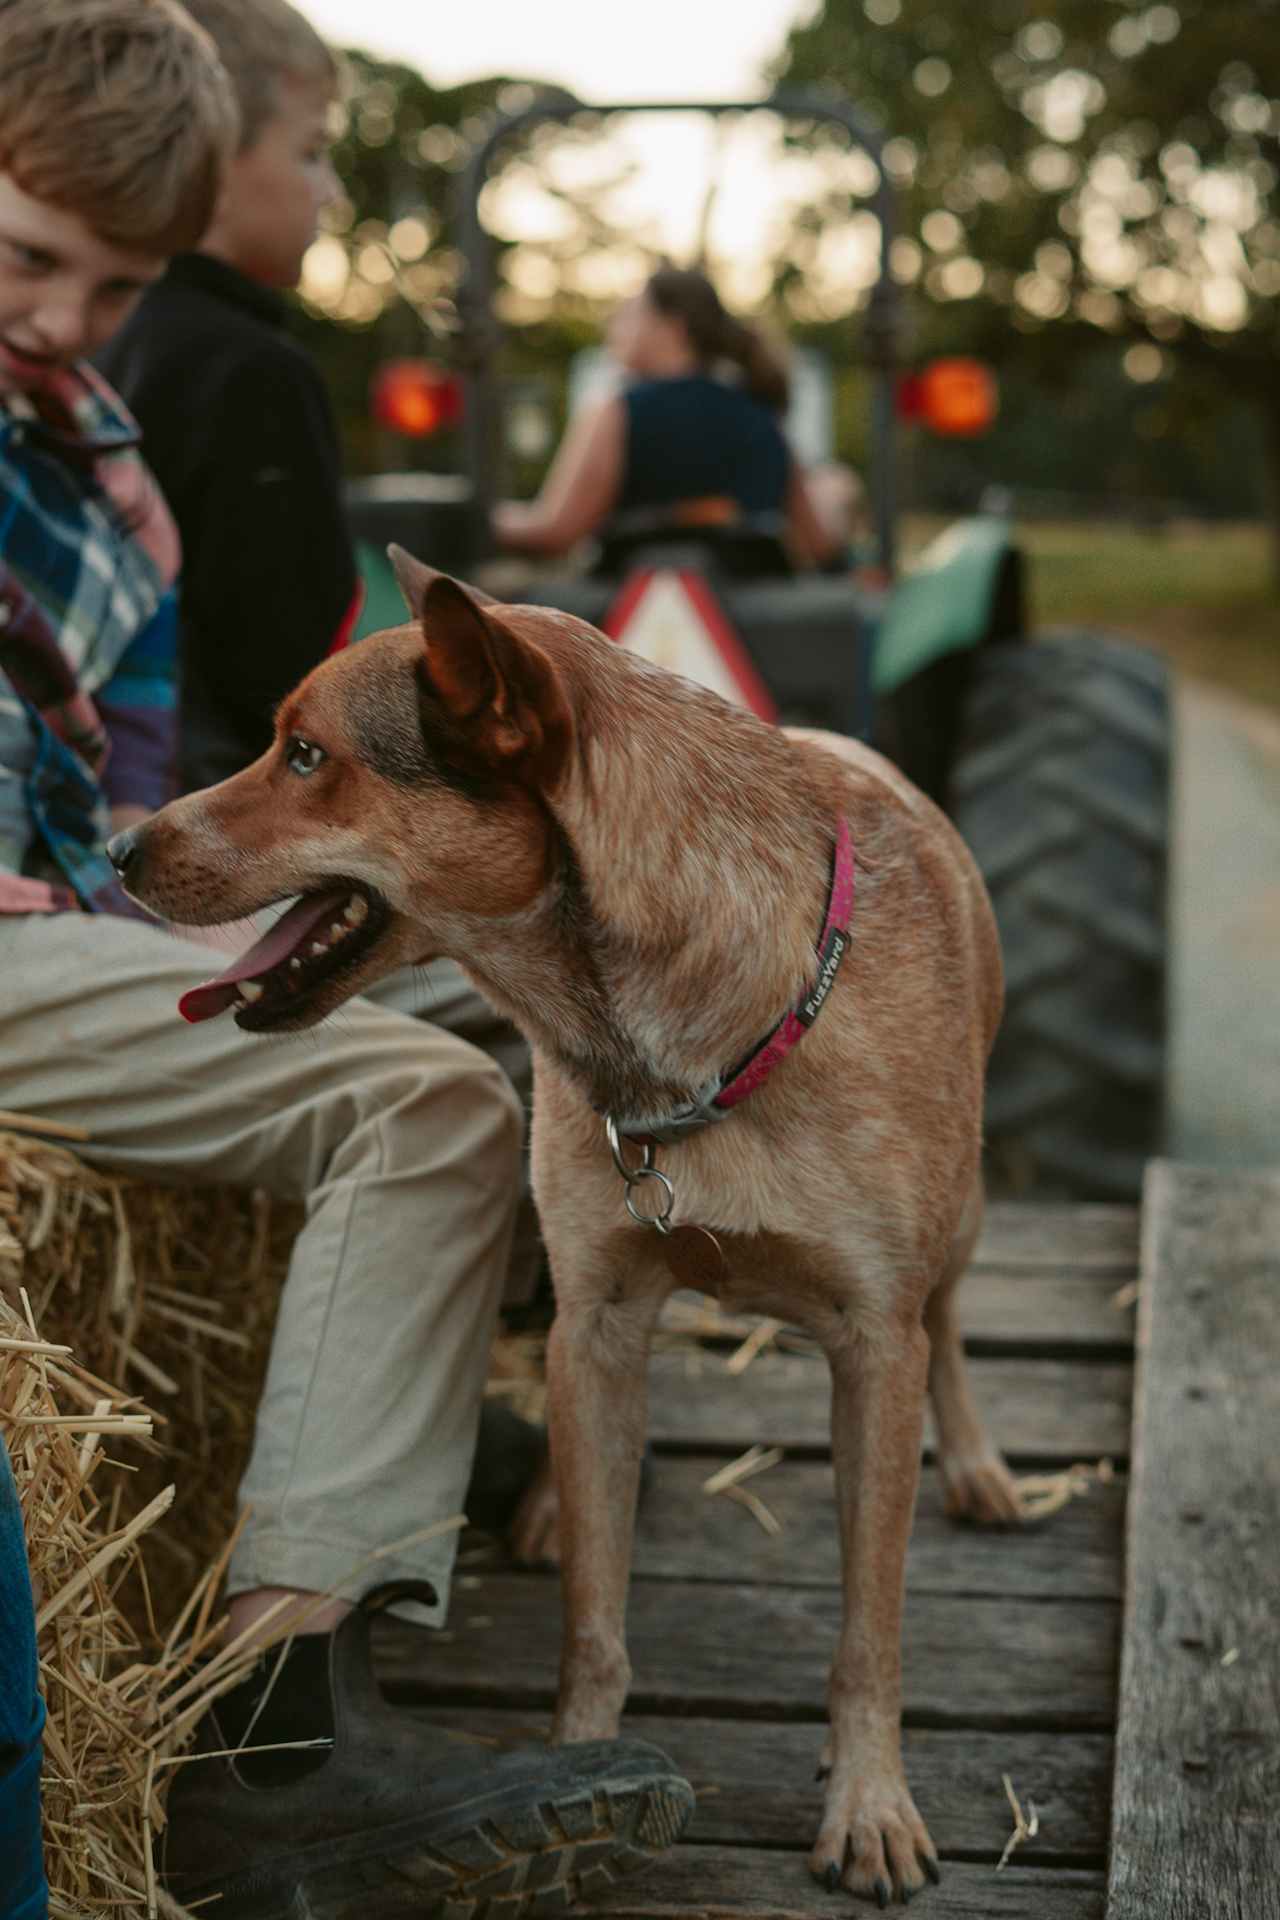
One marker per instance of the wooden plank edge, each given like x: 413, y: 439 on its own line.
x: 1218, y: 1809
x: 722, y: 1883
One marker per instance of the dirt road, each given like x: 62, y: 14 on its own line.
x: 1224, y: 1092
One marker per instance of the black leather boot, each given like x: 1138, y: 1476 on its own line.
x: 398, y: 1818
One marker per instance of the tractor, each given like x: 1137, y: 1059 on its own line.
x: 1050, y: 752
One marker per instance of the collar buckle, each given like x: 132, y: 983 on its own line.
x: 666, y: 1131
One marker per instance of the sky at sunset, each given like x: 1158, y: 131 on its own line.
x: 663, y: 49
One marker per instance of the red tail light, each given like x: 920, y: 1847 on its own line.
x: 415, y: 398
x: 956, y: 397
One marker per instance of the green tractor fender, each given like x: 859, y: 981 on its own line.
x: 383, y: 602
x: 963, y: 595
x: 429, y: 514
x: 966, y: 589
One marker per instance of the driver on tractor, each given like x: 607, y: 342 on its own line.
x: 679, y: 438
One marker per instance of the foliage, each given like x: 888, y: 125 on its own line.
x: 383, y: 270
x: 1088, y: 197
x: 1079, y: 169
x: 382, y: 279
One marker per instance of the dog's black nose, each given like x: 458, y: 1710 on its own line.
x: 122, y: 849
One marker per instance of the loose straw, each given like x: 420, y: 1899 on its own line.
x: 1025, y: 1827
x: 729, y: 1481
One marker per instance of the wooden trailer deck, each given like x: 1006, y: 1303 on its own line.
x: 1012, y: 1643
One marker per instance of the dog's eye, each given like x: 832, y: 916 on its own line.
x: 302, y: 756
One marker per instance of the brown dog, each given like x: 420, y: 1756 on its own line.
x: 638, y: 874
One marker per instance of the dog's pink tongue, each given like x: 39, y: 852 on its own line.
x: 214, y: 996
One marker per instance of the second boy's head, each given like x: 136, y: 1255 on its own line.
x: 286, y: 80
x: 116, y: 122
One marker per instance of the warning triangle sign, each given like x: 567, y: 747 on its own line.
x: 671, y: 616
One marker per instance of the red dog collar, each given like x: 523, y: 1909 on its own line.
x: 724, y: 1094
x: 793, y: 1026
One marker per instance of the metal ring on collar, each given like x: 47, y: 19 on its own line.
x: 615, y: 1147
x: 659, y: 1219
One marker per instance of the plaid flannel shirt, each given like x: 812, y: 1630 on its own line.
x: 88, y: 641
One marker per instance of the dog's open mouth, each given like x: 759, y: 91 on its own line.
x: 321, y: 936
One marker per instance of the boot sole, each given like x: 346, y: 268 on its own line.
x: 516, y: 1863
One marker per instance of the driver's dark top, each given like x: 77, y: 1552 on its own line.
x: 694, y: 437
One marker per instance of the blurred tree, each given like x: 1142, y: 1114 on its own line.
x: 381, y: 279
x: 1076, y: 170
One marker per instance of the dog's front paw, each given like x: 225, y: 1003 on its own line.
x: 982, y: 1490
x: 873, y: 1841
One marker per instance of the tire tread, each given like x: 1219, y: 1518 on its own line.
x: 1061, y: 788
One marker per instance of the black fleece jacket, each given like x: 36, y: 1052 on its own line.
x: 238, y: 430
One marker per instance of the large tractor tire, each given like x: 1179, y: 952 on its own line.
x: 1061, y: 788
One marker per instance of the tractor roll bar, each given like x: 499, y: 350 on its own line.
x: 475, y: 298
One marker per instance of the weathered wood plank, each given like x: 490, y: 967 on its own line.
x: 684, y: 1534
x: 707, y: 1883
x: 1016, y: 1234
x: 750, y: 1652
x: 1198, y: 1755
x: 1040, y: 1410
x: 1023, y: 1310
x: 755, y: 1781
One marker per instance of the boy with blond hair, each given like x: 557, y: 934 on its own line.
x: 116, y: 121
x: 116, y: 126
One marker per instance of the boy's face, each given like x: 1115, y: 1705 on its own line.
x: 63, y: 291
x: 276, y: 187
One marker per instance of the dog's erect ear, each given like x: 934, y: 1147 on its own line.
x: 496, y: 692
x: 414, y: 578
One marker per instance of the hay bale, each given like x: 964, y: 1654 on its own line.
x: 135, y: 1289
x: 111, y: 1288
x: 117, y: 1723
x: 172, y: 1292
x: 169, y: 1292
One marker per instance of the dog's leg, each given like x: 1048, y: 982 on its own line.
x: 872, y: 1840
x: 597, y: 1399
x: 977, y: 1483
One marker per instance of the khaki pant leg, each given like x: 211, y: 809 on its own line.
x: 442, y: 994
x: 402, y: 1142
